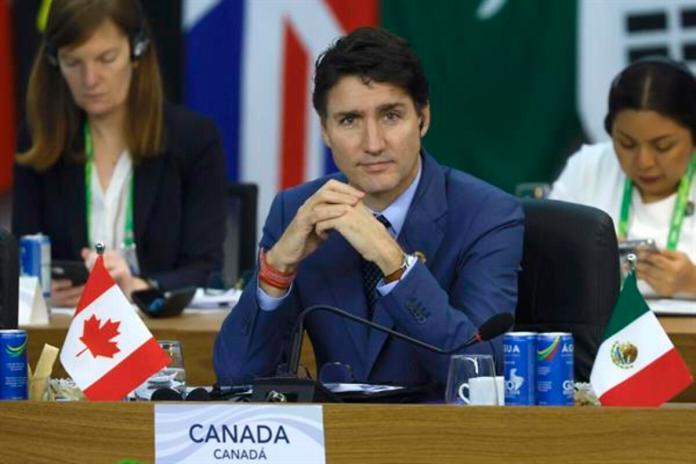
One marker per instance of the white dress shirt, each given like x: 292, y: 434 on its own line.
x: 109, y: 208
x: 594, y: 177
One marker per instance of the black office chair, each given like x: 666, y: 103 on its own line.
x: 9, y: 278
x: 240, y: 238
x: 570, y: 275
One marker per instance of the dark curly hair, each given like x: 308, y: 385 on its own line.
x: 371, y: 54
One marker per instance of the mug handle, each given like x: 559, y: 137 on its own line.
x: 462, y: 396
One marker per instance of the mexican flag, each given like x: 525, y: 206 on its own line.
x: 636, y: 364
x: 108, y: 350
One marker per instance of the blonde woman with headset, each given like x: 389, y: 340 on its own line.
x: 107, y: 159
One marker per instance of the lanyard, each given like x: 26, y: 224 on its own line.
x: 128, y: 240
x: 679, y: 206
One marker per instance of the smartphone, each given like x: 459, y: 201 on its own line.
x: 633, y: 246
x: 75, y: 271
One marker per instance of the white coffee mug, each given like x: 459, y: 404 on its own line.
x: 483, y: 391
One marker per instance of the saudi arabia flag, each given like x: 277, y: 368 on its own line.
x: 636, y: 364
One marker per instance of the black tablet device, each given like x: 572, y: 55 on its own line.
x: 156, y: 303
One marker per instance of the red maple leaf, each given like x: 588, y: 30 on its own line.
x: 97, y: 339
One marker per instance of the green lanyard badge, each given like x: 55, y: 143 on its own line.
x: 675, y: 225
x: 128, y: 239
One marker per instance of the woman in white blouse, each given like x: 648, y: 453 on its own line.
x: 110, y: 161
x: 643, y: 178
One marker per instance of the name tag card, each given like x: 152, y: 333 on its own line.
x: 32, y: 306
x: 273, y: 434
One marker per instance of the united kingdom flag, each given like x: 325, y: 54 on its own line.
x: 249, y: 66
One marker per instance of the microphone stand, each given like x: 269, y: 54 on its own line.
x: 296, y: 346
x: 288, y: 387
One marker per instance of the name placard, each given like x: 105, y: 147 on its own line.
x: 239, y: 433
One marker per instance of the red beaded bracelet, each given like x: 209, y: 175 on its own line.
x: 272, y: 276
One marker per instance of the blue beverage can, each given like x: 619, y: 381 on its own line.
x: 554, y: 369
x: 518, y: 355
x: 35, y: 259
x: 14, y: 382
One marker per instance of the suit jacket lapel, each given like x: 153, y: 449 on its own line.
x: 73, y: 188
x: 422, y: 232
x: 423, y: 229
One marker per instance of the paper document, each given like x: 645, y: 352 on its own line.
x: 32, y: 306
x: 360, y: 387
x: 673, y: 306
x: 213, y: 299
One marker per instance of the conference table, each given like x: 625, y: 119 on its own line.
x: 377, y: 433
x: 196, y: 330
x: 83, y: 432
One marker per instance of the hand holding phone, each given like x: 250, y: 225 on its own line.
x: 669, y: 273
x: 636, y: 246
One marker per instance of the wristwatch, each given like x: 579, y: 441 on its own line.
x: 396, y: 275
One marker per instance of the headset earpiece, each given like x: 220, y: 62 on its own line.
x: 139, y: 41
x: 51, y: 54
x: 139, y: 45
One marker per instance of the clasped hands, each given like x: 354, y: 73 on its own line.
x: 65, y: 294
x: 339, y: 207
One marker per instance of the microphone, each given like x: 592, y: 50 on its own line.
x: 198, y: 394
x: 169, y: 394
x: 165, y: 394
x: 288, y: 387
x: 491, y: 328
x: 496, y: 325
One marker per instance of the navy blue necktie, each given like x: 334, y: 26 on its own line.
x: 371, y: 275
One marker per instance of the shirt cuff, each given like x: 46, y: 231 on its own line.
x: 384, y: 289
x: 267, y: 302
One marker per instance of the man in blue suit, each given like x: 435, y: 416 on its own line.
x: 445, y: 247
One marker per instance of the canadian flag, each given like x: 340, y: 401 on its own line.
x: 108, y: 350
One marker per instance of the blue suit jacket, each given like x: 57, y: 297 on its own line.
x: 471, y: 235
